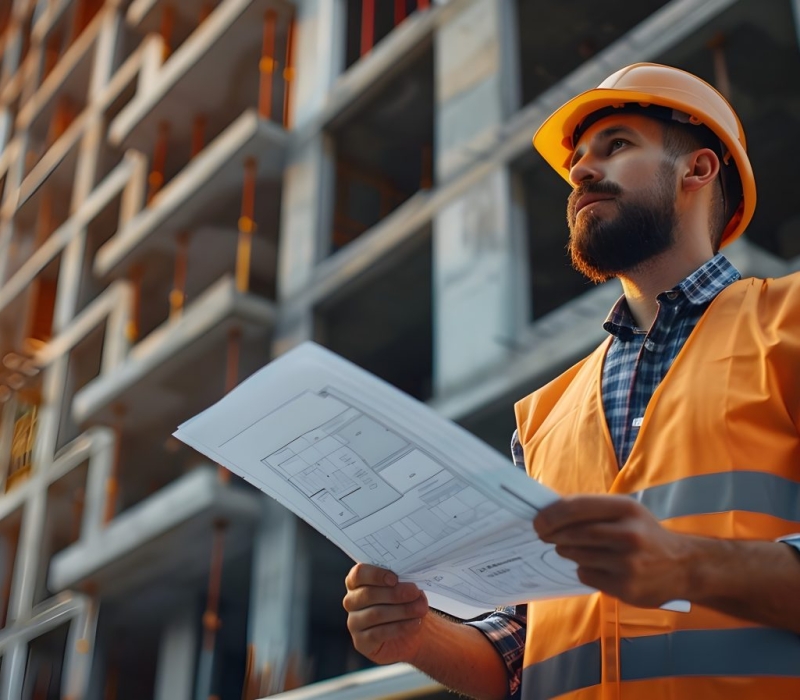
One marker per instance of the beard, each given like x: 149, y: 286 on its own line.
x: 642, y: 229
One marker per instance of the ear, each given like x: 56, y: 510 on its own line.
x: 701, y: 168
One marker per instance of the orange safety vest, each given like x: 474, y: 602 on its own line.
x: 718, y: 454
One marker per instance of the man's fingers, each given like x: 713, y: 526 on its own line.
x: 618, y: 536
x: 381, y: 615
x: 574, y: 510
x: 368, y: 575
x: 591, y: 558
x: 368, y: 596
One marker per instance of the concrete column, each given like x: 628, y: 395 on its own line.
x: 278, y: 613
x: 177, y: 653
x: 29, y: 549
x: 308, y: 183
x: 307, y: 213
x: 76, y: 676
x: 12, y: 675
x: 293, y: 326
x: 101, y: 463
x: 479, y: 285
x: 320, y: 54
x: 477, y: 84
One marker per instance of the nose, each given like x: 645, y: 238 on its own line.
x: 586, y: 168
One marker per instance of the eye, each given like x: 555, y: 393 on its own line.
x: 616, y: 144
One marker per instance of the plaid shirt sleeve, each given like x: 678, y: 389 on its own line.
x: 505, y: 627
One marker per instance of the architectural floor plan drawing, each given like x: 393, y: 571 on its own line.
x: 387, y: 480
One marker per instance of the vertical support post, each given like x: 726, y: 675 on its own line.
x: 211, y: 621
x: 44, y: 219
x: 78, y: 499
x: 132, y: 329
x: 78, y: 20
x: 267, y: 65
x: 156, y: 178
x: 367, y: 26
x: 112, y: 682
x: 722, y: 78
x: 232, y: 366
x: 177, y: 297
x: 423, y: 4
x: 167, y: 29
x: 52, y: 52
x: 426, y: 176
x: 288, y: 75
x: 246, y: 227
x: 112, y: 485
x: 399, y: 11
x: 198, y: 134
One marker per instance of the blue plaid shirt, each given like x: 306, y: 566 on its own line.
x: 635, y: 364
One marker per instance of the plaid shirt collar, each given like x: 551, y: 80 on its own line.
x: 697, y: 289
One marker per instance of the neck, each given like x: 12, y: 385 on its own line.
x: 643, y: 284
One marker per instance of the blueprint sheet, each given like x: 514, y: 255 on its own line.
x: 387, y: 480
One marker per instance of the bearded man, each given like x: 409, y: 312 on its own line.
x: 676, y: 443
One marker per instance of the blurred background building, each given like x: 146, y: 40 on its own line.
x: 191, y: 187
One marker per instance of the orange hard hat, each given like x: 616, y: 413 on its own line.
x: 685, y: 96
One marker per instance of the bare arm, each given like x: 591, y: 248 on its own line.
x: 391, y: 622
x: 623, y: 550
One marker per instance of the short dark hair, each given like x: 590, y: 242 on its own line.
x: 680, y: 139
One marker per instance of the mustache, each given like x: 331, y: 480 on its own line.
x: 600, y: 187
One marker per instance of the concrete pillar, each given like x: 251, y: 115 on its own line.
x: 26, y: 567
x: 319, y: 55
x: 12, y: 674
x: 279, y: 589
x: 78, y: 655
x: 479, y: 283
x: 307, y: 213
x: 308, y: 183
x: 177, y: 653
x: 292, y: 327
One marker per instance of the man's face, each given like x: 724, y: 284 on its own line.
x: 622, y: 210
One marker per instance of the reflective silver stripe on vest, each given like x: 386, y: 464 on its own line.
x: 574, y: 669
x: 755, y: 492
x: 739, y: 652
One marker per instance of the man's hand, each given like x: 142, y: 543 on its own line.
x: 620, y: 548
x: 385, y: 617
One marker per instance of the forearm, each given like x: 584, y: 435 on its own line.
x: 461, y: 658
x: 756, y: 581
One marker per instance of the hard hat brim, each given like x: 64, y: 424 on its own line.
x: 553, y: 140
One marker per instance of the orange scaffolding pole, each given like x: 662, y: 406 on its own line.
x: 132, y: 329
x: 156, y: 178
x: 112, y: 484
x: 246, y: 227
x: 367, y: 26
x: 198, y: 134
x: 267, y: 65
x: 167, y: 29
x: 399, y: 11
x: 177, y: 296
x: 288, y: 75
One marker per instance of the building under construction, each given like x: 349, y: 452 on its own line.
x: 190, y: 187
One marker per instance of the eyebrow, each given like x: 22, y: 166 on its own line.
x: 606, y: 134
